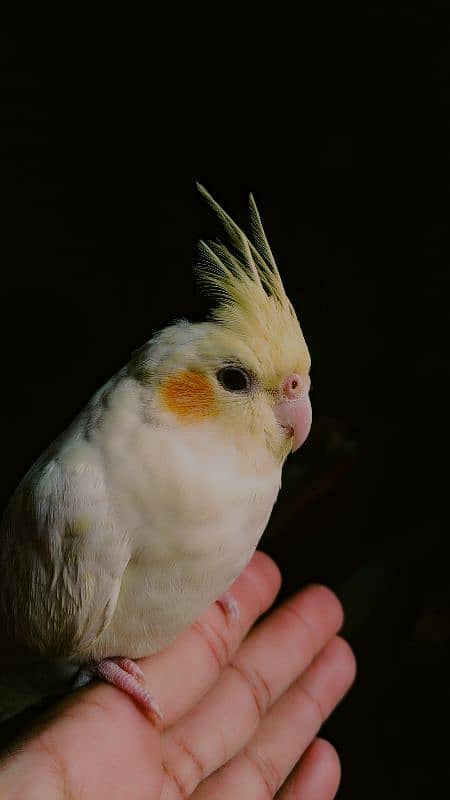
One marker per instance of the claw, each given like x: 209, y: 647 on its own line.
x: 230, y: 606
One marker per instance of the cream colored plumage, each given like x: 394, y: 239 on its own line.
x: 144, y: 511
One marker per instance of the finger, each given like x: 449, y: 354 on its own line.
x: 180, y: 675
x: 287, y: 730
x: 316, y: 776
x: 272, y: 657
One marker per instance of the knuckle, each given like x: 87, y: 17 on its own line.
x: 265, y: 770
x: 304, y: 629
x: 255, y: 685
x: 313, y: 703
x: 182, y: 766
x: 217, y: 644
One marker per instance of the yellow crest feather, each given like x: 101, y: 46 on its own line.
x: 245, y: 280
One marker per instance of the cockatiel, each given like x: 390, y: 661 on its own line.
x: 144, y: 511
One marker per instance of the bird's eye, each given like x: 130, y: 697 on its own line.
x: 234, y: 379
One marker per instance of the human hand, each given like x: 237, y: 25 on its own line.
x: 241, y: 712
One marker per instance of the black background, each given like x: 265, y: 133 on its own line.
x: 339, y: 124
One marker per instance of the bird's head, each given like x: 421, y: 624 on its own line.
x: 248, y: 366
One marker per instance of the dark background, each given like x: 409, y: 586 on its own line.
x: 339, y: 124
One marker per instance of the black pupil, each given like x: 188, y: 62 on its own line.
x: 233, y: 379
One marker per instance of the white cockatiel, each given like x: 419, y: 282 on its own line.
x: 144, y: 511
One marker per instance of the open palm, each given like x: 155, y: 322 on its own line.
x: 241, y: 712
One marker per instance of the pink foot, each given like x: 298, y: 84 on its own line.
x: 127, y: 676
x: 131, y: 667
x: 230, y: 606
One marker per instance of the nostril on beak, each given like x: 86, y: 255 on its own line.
x: 291, y: 386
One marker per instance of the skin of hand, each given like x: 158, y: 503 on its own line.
x: 242, y: 707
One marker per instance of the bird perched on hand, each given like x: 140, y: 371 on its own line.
x: 144, y: 511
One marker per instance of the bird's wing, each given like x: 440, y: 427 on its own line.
x: 62, y: 557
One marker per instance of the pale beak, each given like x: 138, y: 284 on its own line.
x: 295, y: 416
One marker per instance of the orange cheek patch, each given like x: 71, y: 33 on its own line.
x: 189, y: 395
